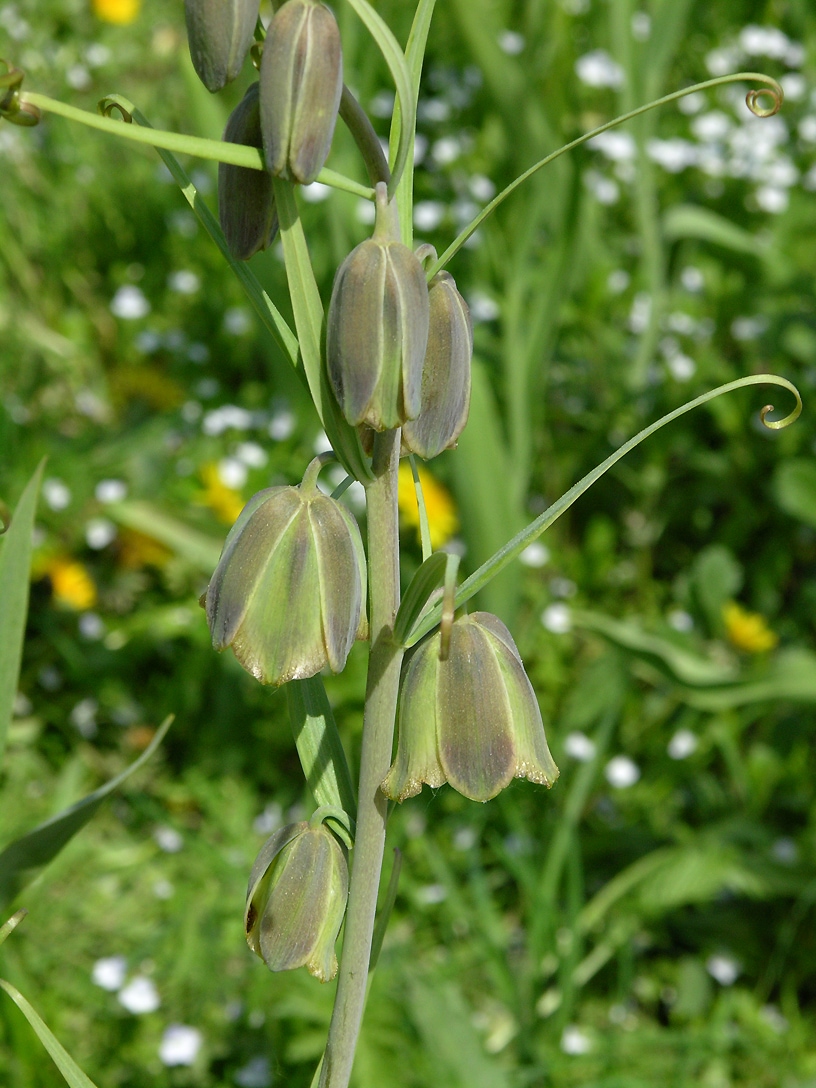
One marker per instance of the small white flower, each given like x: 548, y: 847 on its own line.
x: 482, y: 188
x: 764, y: 41
x: 682, y: 367
x: 785, y: 851
x: 774, y: 1019
x: 598, y: 69
x: 251, y: 454
x: 365, y: 211
x: 579, y: 746
x: 232, y: 473
x: 237, y: 321
x: 618, y: 280
x: 83, y: 717
x: 78, y: 77
x: 621, y: 772
x: 794, y: 85
x: 723, y: 969
x: 180, y: 1045
x: 168, y: 839
x: 748, y: 328
x: 511, y: 43
x: 683, y: 744
x: 446, y: 150
x: 255, y: 1074
x: 56, y: 494
x: 575, y: 1041
x: 640, y: 313
x: 92, y: 627
x: 557, y: 619
x: 140, y: 996
x: 605, y: 190
x: 428, y: 214
x: 110, y: 491
x: 535, y: 555
x: 464, y: 838
x: 673, y: 155
x: 109, y: 972
x: 430, y: 894
x: 129, y: 303
x: 269, y: 820
x: 482, y: 308
x: 316, y: 192
x: 615, y: 145
x: 184, y: 282
x: 321, y: 443
x: 692, y: 279
x: 711, y: 126
x: 99, y: 532
x: 281, y: 425
x: 641, y: 26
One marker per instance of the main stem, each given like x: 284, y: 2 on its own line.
x: 378, y: 732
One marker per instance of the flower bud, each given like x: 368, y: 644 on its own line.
x: 445, y: 398
x: 288, y: 594
x: 296, y: 900
x: 220, y: 33
x: 377, y: 331
x: 471, y: 720
x: 246, y: 203
x: 301, y: 85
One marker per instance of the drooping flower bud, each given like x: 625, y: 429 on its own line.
x: 471, y: 720
x: 377, y: 329
x: 445, y: 400
x: 301, y: 85
x: 296, y: 900
x: 246, y: 203
x: 220, y: 33
x: 288, y: 594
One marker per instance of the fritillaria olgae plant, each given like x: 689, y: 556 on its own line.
x: 389, y: 377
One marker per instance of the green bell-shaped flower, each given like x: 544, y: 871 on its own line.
x: 220, y: 33
x: 246, y: 203
x: 445, y: 398
x: 471, y: 720
x: 288, y: 594
x: 296, y: 900
x: 301, y: 85
x: 377, y: 328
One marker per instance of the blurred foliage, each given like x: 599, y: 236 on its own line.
x: 650, y: 919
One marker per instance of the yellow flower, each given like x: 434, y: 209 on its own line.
x: 225, y: 502
x: 120, y: 12
x: 137, y: 550
x: 443, y: 519
x: 748, y: 631
x: 71, y: 583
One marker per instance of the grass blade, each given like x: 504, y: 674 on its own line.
x: 22, y: 859
x: 65, y: 1063
x: 15, y: 568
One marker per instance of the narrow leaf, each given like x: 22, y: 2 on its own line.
x: 8, y: 927
x: 519, y: 542
x: 319, y: 746
x: 477, y: 221
x: 200, y: 551
x: 71, y: 1072
x: 390, y: 49
x: 15, y: 573
x: 414, y: 58
x: 690, y: 221
x: 22, y: 859
x: 424, y: 583
x: 683, y: 665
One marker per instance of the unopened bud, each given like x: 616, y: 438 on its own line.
x: 445, y: 400
x: 220, y: 33
x: 377, y: 330
x: 296, y: 900
x: 471, y: 720
x: 246, y: 203
x: 288, y: 594
x: 301, y: 85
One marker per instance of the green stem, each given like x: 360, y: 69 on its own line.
x: 378, y: 731
x: 216, y: 150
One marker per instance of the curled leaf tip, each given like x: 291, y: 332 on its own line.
x: 111, y: 103
x: 12, y: 107
x: 791, y: 417
x: 754, y: 97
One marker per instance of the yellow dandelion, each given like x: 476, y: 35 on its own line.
x: 443, y: 520
x: 225, y: 502
x: 71, y: 583
x: 748, y: 631
x: 120, y: 12
x: 138, y: 550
